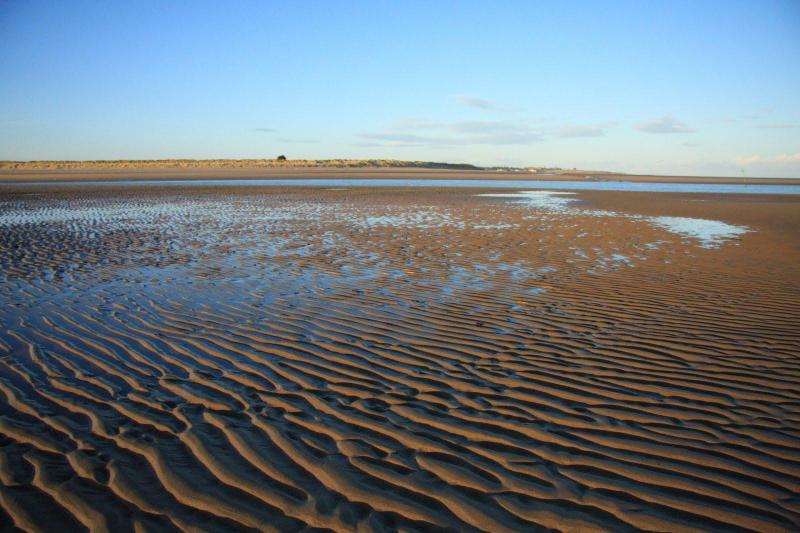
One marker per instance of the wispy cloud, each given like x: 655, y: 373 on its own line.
x: 297, y: 141
x: 442, y: 134
x: 286, y: 139
x: 573, y: 131
x: 489, y: 138
x: 723, y: 120
x: 784, y: 165
x: 406, y: 138
x: 775, y: 126
x: 663, y: 125
x: 415, y: 132
x: 780, y: 159
x: 476, y: 102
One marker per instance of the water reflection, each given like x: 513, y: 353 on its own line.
x: 734, y: 188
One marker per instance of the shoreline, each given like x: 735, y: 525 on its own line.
x: 260, y: 173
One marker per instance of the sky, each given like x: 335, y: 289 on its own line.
x: 661, y: 87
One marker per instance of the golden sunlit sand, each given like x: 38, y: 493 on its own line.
x: 383, y: 359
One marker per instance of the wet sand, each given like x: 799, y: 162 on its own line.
x: 239, y: 173
x: 286, y: 359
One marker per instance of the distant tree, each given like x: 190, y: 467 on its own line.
x: 281, y: 158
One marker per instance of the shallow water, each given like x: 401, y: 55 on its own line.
x: 708, y: 233
x: 553, y: 200
x: 730, y: 188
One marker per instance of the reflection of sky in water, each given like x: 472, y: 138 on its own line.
x: 553, y: 200
x: 710, y: 233
x: 422, y: 218
x: 246, y: 240
x: 86, y: 215
x: 742, y: 188
x: 292, y: 247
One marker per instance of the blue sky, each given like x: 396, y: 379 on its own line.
x: 710, y: 88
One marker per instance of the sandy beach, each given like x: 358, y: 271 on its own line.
x: 396, y: 267
x: 396, y: 359
x: 227, y: 171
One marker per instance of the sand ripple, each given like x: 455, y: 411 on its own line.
x: 392, y: 360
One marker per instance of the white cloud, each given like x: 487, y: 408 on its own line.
x: 744, y: 161
x: 405, y: 138
x: 444, y: 134
x: 781, y: 163
x: 461, y: 133
x: 419, y: 132
x: 474, y: 101
x: 572, y: 131
x: 296, y: 141
x: 775, y: 126
x: 663, y: 125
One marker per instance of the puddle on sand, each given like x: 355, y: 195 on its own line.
x: 710, y: 233
x: 552, y: 200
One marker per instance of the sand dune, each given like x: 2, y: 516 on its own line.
x: 195, y: 164
x: 286, y: 359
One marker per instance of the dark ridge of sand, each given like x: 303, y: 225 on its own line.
x: 240, y: 173
x: 396, y: 359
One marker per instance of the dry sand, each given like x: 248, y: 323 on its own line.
x: 397, y: 359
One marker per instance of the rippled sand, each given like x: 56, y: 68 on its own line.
x: 381, y: 360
